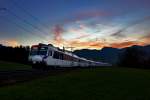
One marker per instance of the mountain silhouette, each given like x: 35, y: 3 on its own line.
x: 109, y: 54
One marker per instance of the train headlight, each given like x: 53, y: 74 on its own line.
x: 44, y: 59
x: 34, y: 62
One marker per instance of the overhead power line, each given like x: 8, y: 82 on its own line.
x: 24, y: 21
x: 17, y: 25
x: 29, y: 14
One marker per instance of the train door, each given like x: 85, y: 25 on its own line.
x: 50, y: 58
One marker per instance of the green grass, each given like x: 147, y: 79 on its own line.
x: 84, y: 84
x: 12, y: 66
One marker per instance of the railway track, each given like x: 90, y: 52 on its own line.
x: 17, y: 76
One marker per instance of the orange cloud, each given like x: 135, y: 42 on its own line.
x: 86, y: 44
x: 146, y: 39
x: 12, y: 43
x: 77, y: 44
x: 58, y: 30
x: 126, y: 44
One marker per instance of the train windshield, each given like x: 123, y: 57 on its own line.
x: 38, y: 50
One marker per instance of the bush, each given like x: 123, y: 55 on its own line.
x: 134, y: 57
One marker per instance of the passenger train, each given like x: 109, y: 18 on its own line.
x: 51, y: 56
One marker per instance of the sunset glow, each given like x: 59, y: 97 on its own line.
x: 80, y: 24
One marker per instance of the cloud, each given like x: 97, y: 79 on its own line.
x: 119, y: 32
x: 58, y: 31
x: 79, y: 44
x: 77, y: 16
x: 79, y: 34
x: 125, y: 44
x: 12, y: 43
x: 146, y: 38
x: 86, y: 44
x: 83, y: 36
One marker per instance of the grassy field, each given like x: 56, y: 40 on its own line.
x: 12, y: 66
x: 84, y: 84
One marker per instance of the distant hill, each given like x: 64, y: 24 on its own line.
x: 108, y: 54
x: 89, y: 54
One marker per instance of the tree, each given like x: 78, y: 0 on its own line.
x: 16, y: 54
x: 132, y: 57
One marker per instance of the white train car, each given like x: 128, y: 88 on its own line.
x: 55, y: 57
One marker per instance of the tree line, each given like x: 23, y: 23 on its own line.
x: 131, y: 57
x: 135, y: 58
x: 14, y: 54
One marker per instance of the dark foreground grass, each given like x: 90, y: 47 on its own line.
x: 84, y: 84
x: 12, y: 66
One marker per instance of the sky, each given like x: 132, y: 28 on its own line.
x: 82, y: 24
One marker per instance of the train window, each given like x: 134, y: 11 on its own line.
x: 61, y: 56
x: 70, y: 58
x: 76, y: 60
x: 65, y: 57
x: 50, y: 53
x: 56, y: 55
x: 33, y: 52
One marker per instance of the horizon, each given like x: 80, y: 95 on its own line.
x: 81, y: 24
x: 66, y: 48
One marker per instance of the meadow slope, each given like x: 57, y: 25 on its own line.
x: 84, y: 84
x: 13, y: 66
